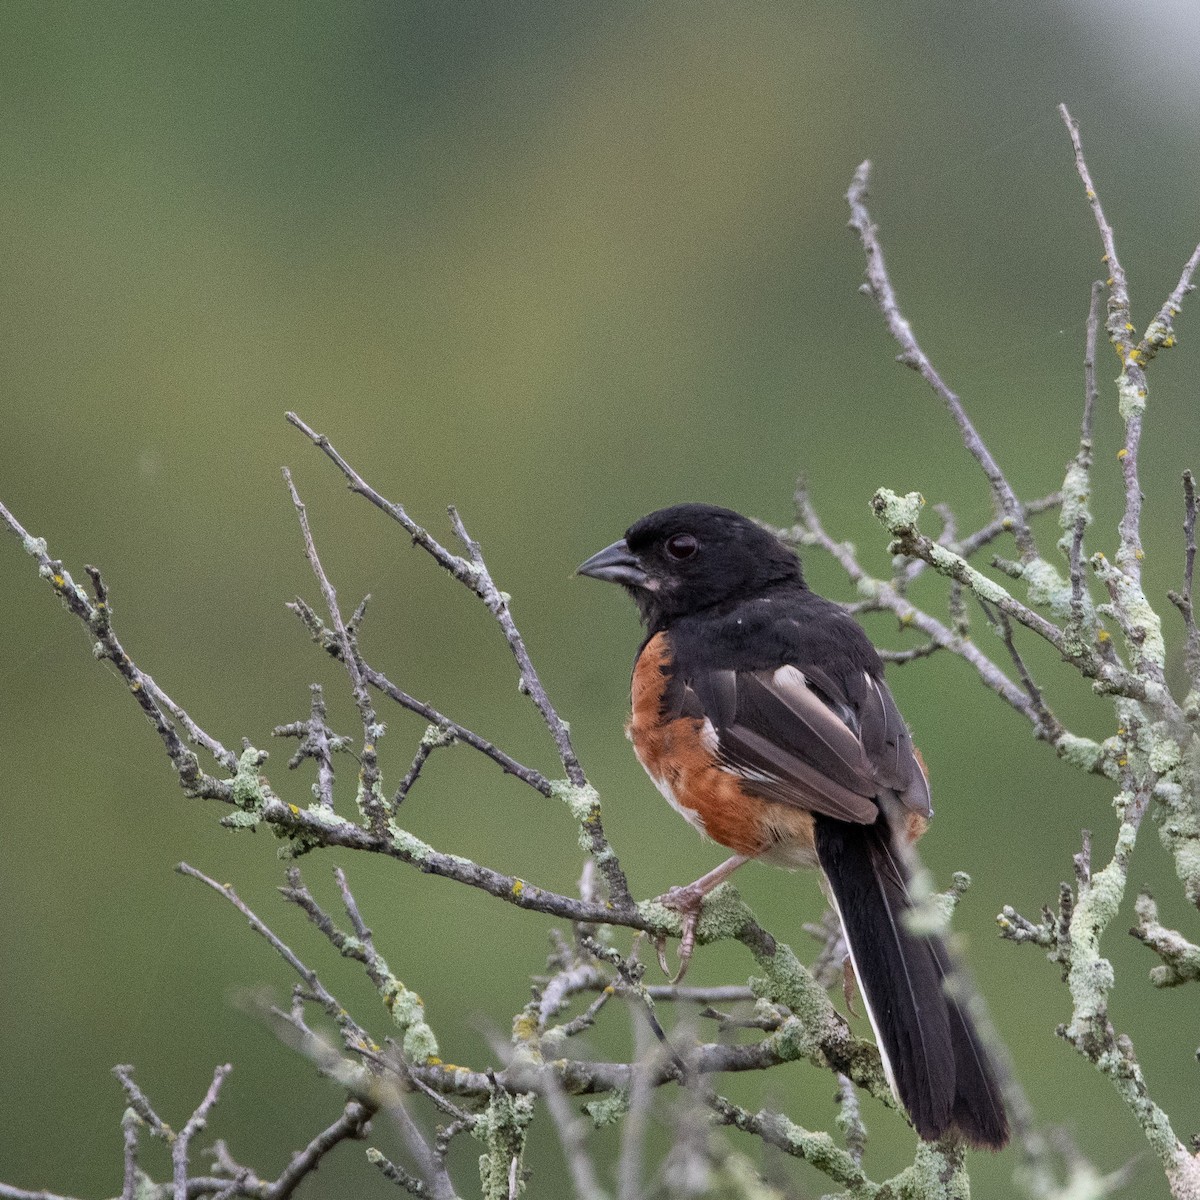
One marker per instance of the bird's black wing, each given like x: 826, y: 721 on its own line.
x: 811, y: 729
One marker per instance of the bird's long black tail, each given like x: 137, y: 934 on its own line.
x: 935, y: 1061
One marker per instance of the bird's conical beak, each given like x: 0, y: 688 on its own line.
x: 615, y: 564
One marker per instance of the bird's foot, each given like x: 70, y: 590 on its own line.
x: 688, y: 903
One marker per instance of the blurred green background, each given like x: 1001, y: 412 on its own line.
x: 558, y: 265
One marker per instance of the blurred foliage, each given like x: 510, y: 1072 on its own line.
x: 558, y: 265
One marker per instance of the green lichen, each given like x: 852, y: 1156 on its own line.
x: 1161, y: 747
x: 581, y: 799
x: 408, y: 1011
x: 1090, y: 977
x: 1080, y: 752
x: 608, y: 1110
x: 408, y: 844
x: 1076, y: 493
x: 241, y: 820
x: 724, y: 915
x: 1047, y: 588
x: 897, y: 512
x: 247, y: 788
x: 501, y: 1127
x: 937, y: 1173
x: 1139, y: 613
x: 899, y: 515
x: 1186, y: 852
x: 435, y: 737
x: 35, y: 546
x: 318, y: 814
x: 1131, y: 399
x: 789, y: 982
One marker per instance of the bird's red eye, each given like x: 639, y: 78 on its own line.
x: 682, y: 545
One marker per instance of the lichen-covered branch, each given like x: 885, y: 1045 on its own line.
x: 1180, y: 958
x: 1153, y: 750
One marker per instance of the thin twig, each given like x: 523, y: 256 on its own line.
x: 353, y: 1034
x: 328, y: 640
x: 879, y: 286
x: 630, y: 1184
x: 530, y: 683
x: 318, y: 742
x: 373, y: 808
x: 1119, y: 325
x: 1076, y: 514
x: 1184, y: 600
x: 97, y: 617
x: 130, y: 1124
x: 1048, y: 727
x: 434, y: 738
x: 195, y: 1123
x: 469, y: 573
x: 473, y: 573
x: 883, y: 595
x: 140, y: 1102
x: 572, y: 1138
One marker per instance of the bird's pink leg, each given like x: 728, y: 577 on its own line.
x: 688, y: 901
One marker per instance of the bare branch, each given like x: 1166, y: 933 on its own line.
x: 369, y: 799
x: 318, y: 742
x: 474, y: 574
x: 434, y: 738
x: 883, y: 595
x: 1119, y: 324
x: 879, y: 286
x: 1184, y: 600
x: 1048, y: 725
x: 195, y: 1123
x: 97, y: 618
x: 1181, y: 959
x: 352, y: 1125
x: 353, y: 1034
x: 1076, y: 512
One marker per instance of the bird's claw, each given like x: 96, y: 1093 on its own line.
x: 687, y: 902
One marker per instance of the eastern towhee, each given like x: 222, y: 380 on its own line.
x: 760, y: 712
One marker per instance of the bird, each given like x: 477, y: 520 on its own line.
x: 760, y: 712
